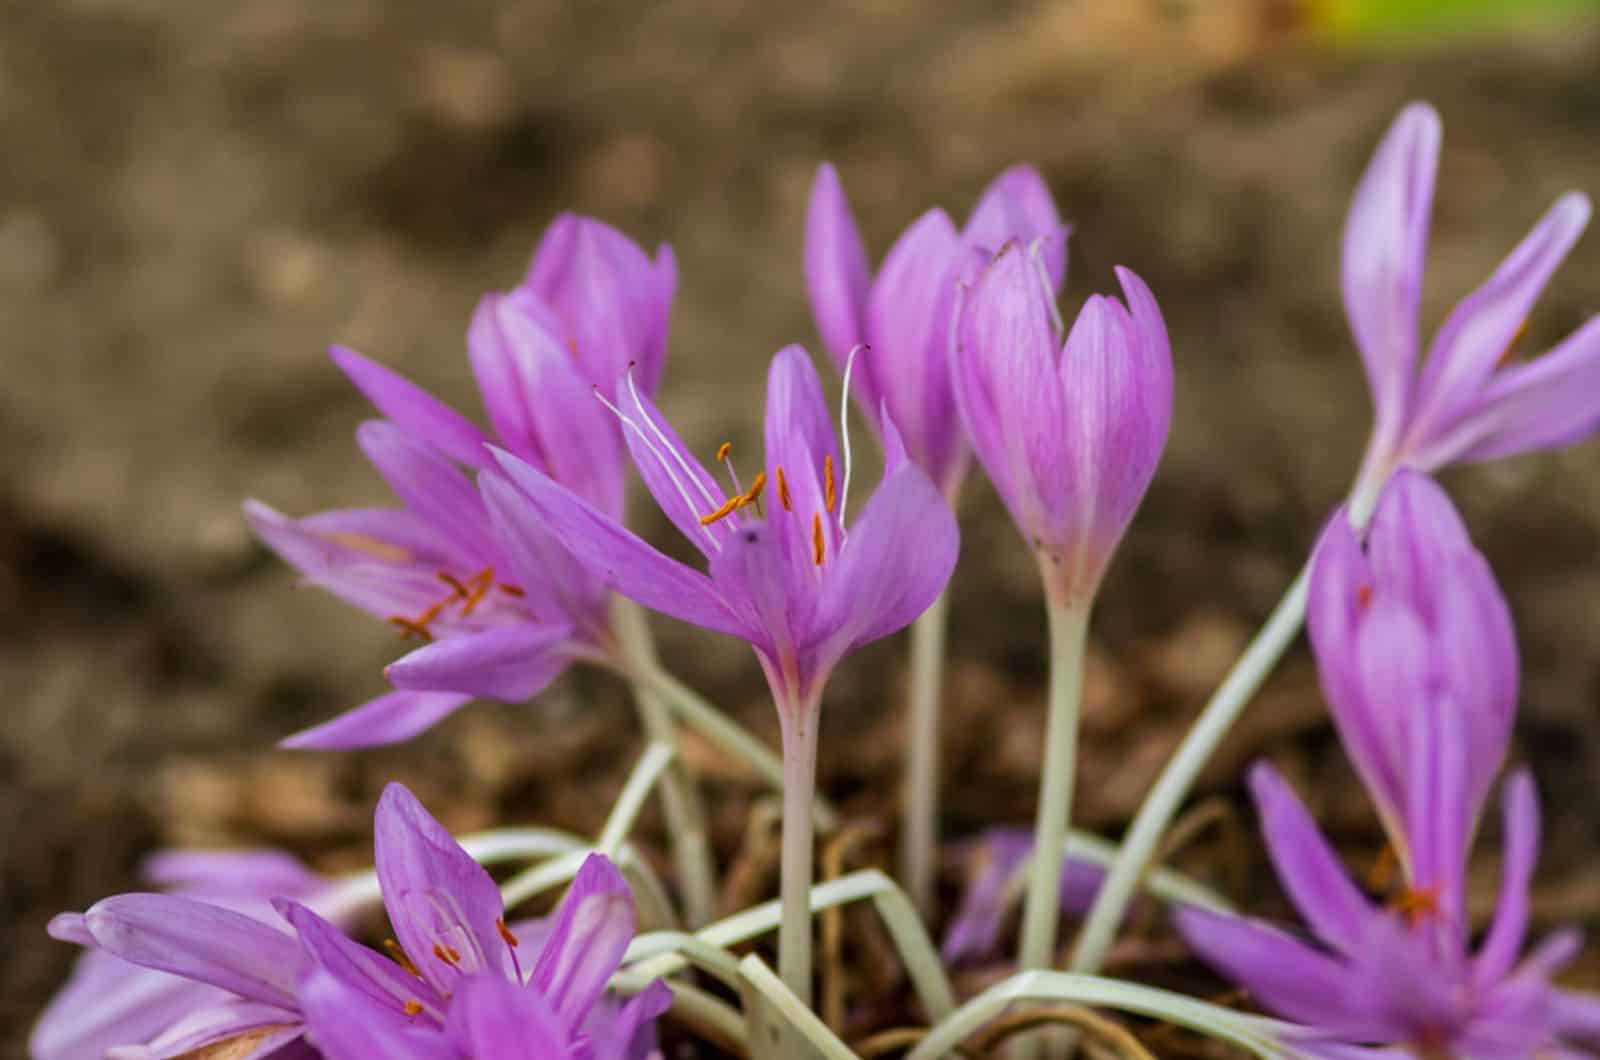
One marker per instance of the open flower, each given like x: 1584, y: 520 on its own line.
x: 499, y: 606
x: 1402, y: 975
x: 297, y: 978
x: 109, y: 1004
x: 1464, y: 401
x: 786, y: 572
x: 901, y: 318
x: 461, y: 987
x: 1070, y: 433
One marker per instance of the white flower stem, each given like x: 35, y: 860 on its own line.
x: 728, y: 736
x: 800, y: 722
x: 1041, y: 913
x: 919, y: 834
x: 1143, y: 837
x: 1150, y: 824
x: 680, y: 797
x: 800, y: 726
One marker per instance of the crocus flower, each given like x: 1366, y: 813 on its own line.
x: 898, y: 323
x: 994, y: 877
x: 1464, y: 402
x: 112, y: 1006
x: 1069, y: 434
x: 1414, y: 647
x: 460, y: 988
x: 1401, y: 977
x: 1411, y: 617
x: 501, y: 609
x: 612, y: 303
x: 275, y: 978
x: 786, y: 573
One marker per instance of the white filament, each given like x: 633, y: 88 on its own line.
x: 844, y: 433
x: 683, y: 494
x: 1036, y: 256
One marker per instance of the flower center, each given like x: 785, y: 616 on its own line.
x: 469, y: 593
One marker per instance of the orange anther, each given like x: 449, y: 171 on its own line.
x: 1381, y: 875
x: 512, y: 590
x: 725, y: 509
x: 477, y: 588
x: 1416, y: 904
x: 722, y: 452
x: 413, y: 1008
x: 448, y: 954
x: 1511, y: 347
x: 505, y: 933
x: 783, y: 490
x: 816, y: 539
x: 393, y: 949
x: 828, y: 491
x: 409, y: 628
x: 1364, y: 597
x: 753, y: 494
x: 457, y: 588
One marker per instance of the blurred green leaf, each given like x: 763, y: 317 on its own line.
x: 1423, y: 19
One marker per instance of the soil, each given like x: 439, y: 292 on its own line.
x: 195, y: 199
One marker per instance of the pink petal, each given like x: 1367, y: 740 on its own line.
x: 837, y: 273
x: 413, y: 409
x: 393, y: 717
x: 1385, y: 244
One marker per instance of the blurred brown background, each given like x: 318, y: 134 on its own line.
x: 196, y: 198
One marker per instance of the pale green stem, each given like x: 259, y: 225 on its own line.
x: 1160, y: 806
x: 1041, y: 913
x: 680, y: 798
x: 1143, y: 837
x: 729, y: 736
x: 800, y: 724
x: 919, y: 830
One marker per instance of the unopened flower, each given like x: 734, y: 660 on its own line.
x: 786, y: 571
x: 612, y: 303
x: 1466, y: 400
x: 1069, y: 433
x: 498, y: 605
x: 1413, y: 615
x: 1414, y: 646
x: 897, y: 323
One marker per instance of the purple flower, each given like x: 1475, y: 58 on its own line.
x: 1413, y: 617
x: 1403, y: 975
x: 110, y: 1004
x: 901, y: 318
x: 1463, y: 402
x: 994, y: 879
x: 496, y: 599
x: 300, y: 980
x: 785, y: 571
x: 1068, y: 433
x: 612, y: 303
x: 1415, y: 650
x: 460, y: 988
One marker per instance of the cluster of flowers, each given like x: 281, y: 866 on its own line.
x: 241, y: 956
x: 509, y: 545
